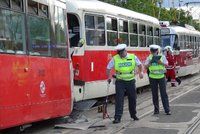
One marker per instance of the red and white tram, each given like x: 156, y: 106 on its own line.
x: 35, y: 62
x: 102, y: 26
x: 185, y: 42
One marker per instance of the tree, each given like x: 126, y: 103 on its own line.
x: 150, y: 7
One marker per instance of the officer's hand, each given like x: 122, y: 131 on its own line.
x: 141, y: 75
x: 109, y: 80
x: 150, y: 62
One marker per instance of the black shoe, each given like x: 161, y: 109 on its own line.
x: 135, y: 118
x: 168, y: 113
x: 116, y: 121
x: 178, y: 80
x: 173, y: 85
x: 156, y: 112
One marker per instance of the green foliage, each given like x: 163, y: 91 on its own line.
x: 150, y: 7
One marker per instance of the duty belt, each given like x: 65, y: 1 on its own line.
x: 119, y: 73
x: 158, y: 72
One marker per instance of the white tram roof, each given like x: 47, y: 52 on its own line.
x: 182, y: 30
x: 102, y: 7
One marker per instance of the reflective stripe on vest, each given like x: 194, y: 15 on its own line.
x: 156, y: 70
x: 124, y: 67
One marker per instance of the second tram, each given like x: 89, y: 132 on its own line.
x: 185, y: 42
x: 102, y: 26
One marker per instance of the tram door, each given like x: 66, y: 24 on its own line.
x: 77, y: 54
x: 74, y: 30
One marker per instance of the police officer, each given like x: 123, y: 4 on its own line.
x: 156, y: 63
x: 124, y: 65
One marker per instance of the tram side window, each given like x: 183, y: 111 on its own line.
x: 196, y: 47
x: 157, y: 39
x: 17, y: 5
x: 100, y: 23
x: 100, y: 30
x: 89, y: 22
x: 142, y: 29
x: 188, y: 42
x: 142, y: 35
x: 12, y: 32
x: 112, y: 37
x: 133, y: 33
x: 5, y: 3
x: 59, y: 48
x: 39, y: 31
x: 95, y: 31
x: 32, y: 7
x: 175, y: 46
x: 74, y: 30
x: 150, y: 31
x: 111, y: 24
x: 184, y: 41
x: 156, y: 32
x: 123, y: 32
x: 43, y: 10
x: 181, y: 41
x: 149, y: 35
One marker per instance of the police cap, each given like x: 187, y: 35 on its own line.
x: 120, y: 47
x: 155, y: 47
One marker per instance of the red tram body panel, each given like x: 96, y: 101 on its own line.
x: 32, y: 90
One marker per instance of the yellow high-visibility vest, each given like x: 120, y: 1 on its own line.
x: 156, y: 71
x: 125, y: 67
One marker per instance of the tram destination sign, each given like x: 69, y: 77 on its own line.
x: 165, y: 31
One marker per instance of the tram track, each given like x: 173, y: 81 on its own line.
x: 192, y: 128
x: 181, y: 91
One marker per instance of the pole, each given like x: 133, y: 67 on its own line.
x: 105, y: 111
x: 179, y: 15
x: 159, y: 9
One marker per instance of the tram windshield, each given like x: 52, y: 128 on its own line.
x: 169, y: 40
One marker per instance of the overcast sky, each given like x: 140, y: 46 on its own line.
x: 193, y: 8
x: 168, y: 3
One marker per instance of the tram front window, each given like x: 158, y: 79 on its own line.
x: 166, y: 41
x: 170, y: 40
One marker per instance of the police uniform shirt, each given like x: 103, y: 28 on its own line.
x: 111, y: 64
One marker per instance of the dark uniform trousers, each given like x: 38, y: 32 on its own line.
x: 121, y: 87
x: 164, y: 97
